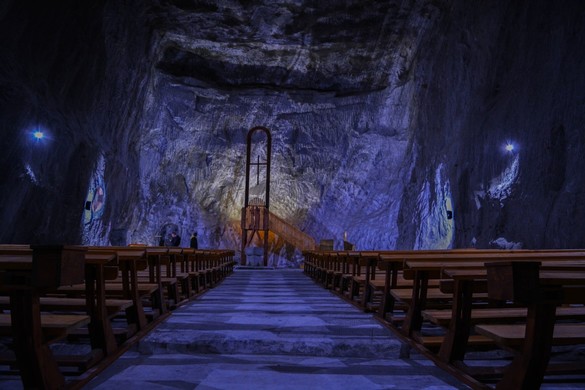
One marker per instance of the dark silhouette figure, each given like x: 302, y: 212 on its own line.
x: 193, y: 244
x: 175, y: 239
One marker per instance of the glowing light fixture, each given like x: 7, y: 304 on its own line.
x: 510, y: 147
x: 38, y: 135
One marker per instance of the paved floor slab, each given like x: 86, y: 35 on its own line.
x: 270, y: 329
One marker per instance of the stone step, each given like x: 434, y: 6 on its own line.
x: 258, y: 343
x: 278, y: 312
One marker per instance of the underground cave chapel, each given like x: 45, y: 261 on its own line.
x: 364, y: 125
x: 401, y: 125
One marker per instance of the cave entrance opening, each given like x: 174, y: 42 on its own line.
x: 163, y: 238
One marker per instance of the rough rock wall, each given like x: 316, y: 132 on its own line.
x: 388, y: 118
x: 329, y: 81
x: 48, y: 71
x: 507, y: 73
x: 72, y: 71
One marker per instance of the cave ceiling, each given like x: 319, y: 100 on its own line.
x: 342, y: 47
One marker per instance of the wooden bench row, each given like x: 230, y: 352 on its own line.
x: 452, y: 290
x: 49, y: 293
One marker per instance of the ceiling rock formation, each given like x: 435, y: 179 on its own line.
x: 389, y: 121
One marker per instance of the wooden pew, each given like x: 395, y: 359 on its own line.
x: 130, y: 261
x: 393, y: 261
x: 127, y: 286
x: 173, y: 271
x: 98, y: 268
x: 390, y: 264
x: 99, y: 299
x: 354, y: 269
x: 340, y: 269
x: 201, y: 269
x: 422, y: 278
x: 25, y: 278
x: 366, y: 267
x: 467, y: 282
x: 209, y: 266
x: 157, y: 258
x: 365, y: 281
x: 196, y: 276
x: 463, y: 284
x: 423, y: 267
x: 189, y: 281
x: 54, y: 326
x: 318, y: 265
x: 541, y: 291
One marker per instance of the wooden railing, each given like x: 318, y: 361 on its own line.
x: 290, y: 233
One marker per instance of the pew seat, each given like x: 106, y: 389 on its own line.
x: 54, y: 326
x: 405, y: 295
x: 112, y: 289
x: 49, y: 303
x: 513, y: 335
x: 443, y: 317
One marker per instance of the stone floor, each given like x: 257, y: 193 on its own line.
x: 269, y: 329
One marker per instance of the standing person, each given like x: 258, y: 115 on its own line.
x: 193, y: 244
x: 175, y: 239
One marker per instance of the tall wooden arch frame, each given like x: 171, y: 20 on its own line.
x: 255, y: 213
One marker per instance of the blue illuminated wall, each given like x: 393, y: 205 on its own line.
x: 390, y: 121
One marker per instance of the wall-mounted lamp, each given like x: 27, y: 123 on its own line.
x: 510, y: 147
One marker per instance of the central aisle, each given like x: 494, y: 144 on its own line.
x: 270, y: 329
